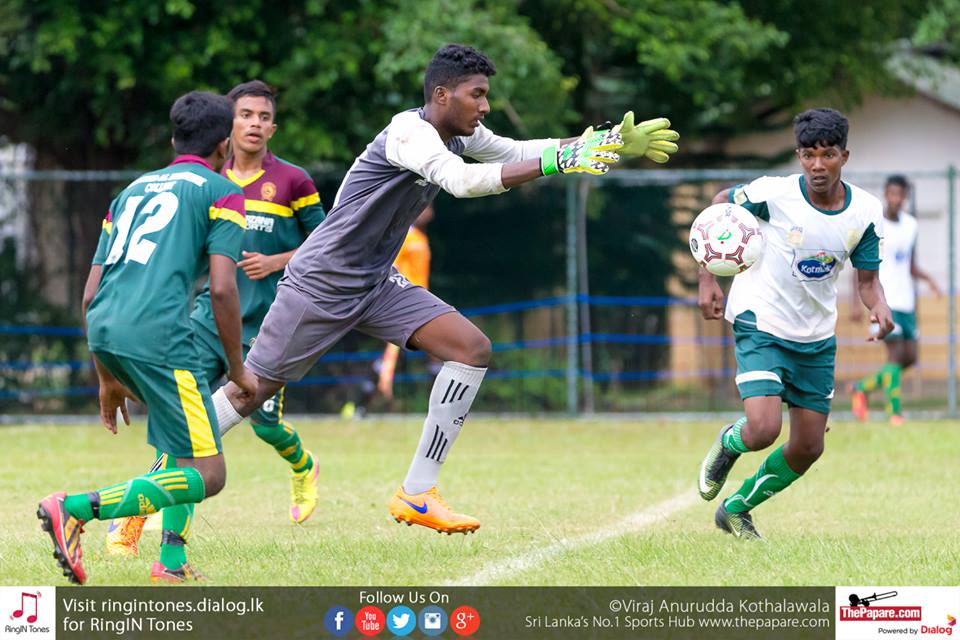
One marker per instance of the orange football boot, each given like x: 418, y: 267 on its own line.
x: 429, y: 509
x: 859, y: 404
x: 123, y: 536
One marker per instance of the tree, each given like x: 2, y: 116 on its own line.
x: 715, y: 67
x: 939, y: 29
x: 91, y: 89
x: 89, y: 86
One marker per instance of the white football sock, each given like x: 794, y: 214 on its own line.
x: 453, y: 392
x: 227, y: 416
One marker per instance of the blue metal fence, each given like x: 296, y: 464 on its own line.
x: 368, y: 356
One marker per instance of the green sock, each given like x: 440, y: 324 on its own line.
x: 773, y: 476
x: 285, y: 439
x: 140, y: 496
x: 891, y: 387
x: 732, y: 441
x: 871, y: 382
x: 176, y: 528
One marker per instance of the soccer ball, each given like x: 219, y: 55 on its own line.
x: 725, y: 239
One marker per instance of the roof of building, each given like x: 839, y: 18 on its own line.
x: 930, y: 77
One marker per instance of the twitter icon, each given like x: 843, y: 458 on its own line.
x: 401, y: 620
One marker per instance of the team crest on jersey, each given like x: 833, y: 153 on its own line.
x: 819, y: 266
x: 267, y: 191
x: 795, y: 236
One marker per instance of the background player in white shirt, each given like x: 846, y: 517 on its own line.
x: 784, y: 313
x: 898, y: 275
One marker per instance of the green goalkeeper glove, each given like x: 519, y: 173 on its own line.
x: 650, y: 138
x: 591, y: 153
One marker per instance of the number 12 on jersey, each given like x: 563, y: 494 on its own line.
x: 154, y: 216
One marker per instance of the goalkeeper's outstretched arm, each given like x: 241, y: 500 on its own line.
x: 651, y: 139
x: 414, y: 144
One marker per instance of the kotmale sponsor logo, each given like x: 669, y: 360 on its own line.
x: 817, y: 267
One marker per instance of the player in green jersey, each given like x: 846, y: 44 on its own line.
x: 163, y: 230
x: 283, y: 208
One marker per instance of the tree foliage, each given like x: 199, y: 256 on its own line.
x: 90, y: 84
x: 92, y: 88
x: 939, y: 29
x: 717, y: 68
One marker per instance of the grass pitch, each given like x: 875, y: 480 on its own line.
x: 600, y: 502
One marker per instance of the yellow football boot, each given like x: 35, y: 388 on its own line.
x: 303, y: 492
x: 123, y: 536
x: 429, y: 509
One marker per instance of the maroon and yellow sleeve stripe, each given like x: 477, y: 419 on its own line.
x: 305, y: 201
x: 108, y: 222
x: 303, y: 193
x: 230, y: 208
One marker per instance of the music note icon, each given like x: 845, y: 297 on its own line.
x: 19, y: 612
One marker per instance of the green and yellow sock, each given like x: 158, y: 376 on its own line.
x: 286, y: 441
x: 890, y: 374
x: 176, y: 528
x: 732, y: 440
x: 140, y: 496
x: 773, y: 476
x: 871, y: 382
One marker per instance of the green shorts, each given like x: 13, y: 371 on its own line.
x: 904, y: 326
x: 181, y: 420
x: 213, y: 364
x: 800, y: 373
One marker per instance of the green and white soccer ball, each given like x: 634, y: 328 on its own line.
x: 725, y: 239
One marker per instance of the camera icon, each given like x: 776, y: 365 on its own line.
x: 433, y: 621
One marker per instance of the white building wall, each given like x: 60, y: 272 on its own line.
x: 14, y: 200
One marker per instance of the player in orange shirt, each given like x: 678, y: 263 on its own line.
x: 413, y: 262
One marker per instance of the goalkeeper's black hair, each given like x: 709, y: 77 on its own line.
x: 821, y: 127
x: 451, y: 64
x: 201, y: 120
x: 897, y: 180
x: 255, y: 88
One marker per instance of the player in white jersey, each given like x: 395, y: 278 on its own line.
x: 898, y: 274
x: 784, y: 313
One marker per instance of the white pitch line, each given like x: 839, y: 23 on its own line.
x: 634, y: 522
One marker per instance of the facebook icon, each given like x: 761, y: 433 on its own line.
x: 338, y: 621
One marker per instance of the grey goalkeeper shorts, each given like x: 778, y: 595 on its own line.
x: 300, y: 327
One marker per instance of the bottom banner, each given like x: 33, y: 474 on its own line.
x: 30, y: 613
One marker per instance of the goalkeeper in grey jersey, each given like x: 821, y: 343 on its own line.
x: 342, y: 277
